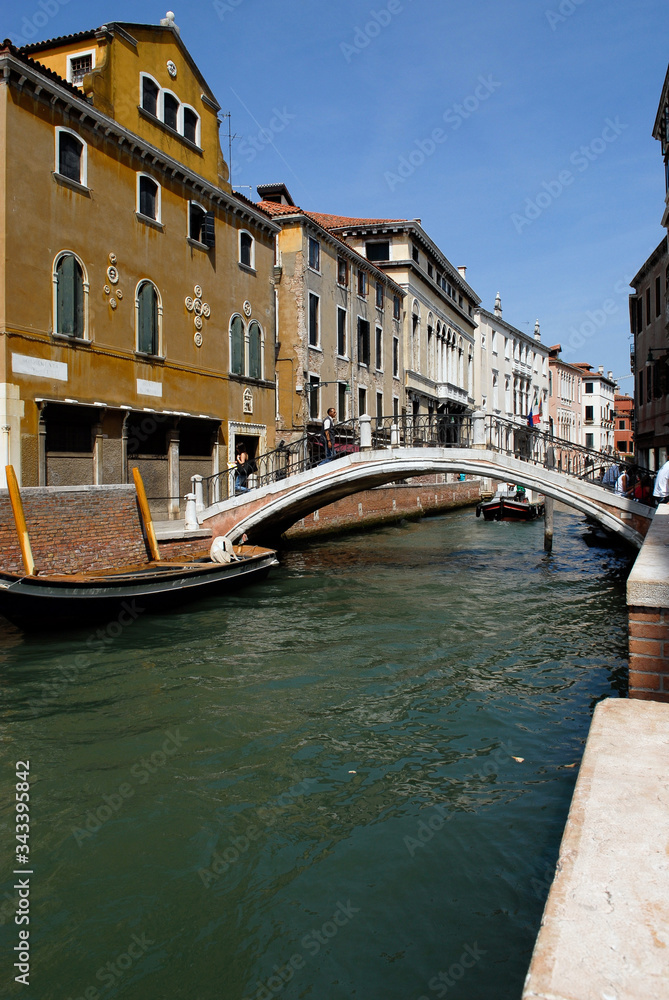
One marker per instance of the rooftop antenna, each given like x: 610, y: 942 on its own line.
x: 228, y: 115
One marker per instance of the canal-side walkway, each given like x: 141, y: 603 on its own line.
x: 605, y: 929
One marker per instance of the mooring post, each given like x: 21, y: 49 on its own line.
x: 548, y: 524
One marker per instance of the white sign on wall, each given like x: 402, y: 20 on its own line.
x: 23, y: 364
x: 147, y: 388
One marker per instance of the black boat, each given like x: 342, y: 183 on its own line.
x: 509, y: 504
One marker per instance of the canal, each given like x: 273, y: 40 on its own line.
x: 349, y: 781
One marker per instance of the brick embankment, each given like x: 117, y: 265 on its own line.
x: 648, y: 609
x: 386, y: 504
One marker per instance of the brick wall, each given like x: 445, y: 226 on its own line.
x: 387, y: 503
x: 649, y: 653
x: 73, y: 529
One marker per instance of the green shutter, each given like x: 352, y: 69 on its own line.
x: 237, y: 346
x: 147, y: 319
x: 254, y: 351
x: 70, y: 297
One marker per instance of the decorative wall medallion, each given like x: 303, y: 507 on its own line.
x: 248, y: 401
x: 247, y: 308
x: 200, y: 310
x: 112, y: 302
x: 112, y: 258
x: 106, y: 289
x: 112, y: 274
x: 119, y: 293
x: 171, y: 69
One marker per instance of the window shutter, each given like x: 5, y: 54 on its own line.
x: 147, y: 319
x: 208, y: 232
x: 237, y: 346
x: 254, y: 351
x: 69, y: 298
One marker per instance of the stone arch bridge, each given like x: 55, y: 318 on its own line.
x: 290, y: 483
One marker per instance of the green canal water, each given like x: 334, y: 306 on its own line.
x: 311, y: 789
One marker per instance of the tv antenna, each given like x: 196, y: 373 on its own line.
x: 228, y: 115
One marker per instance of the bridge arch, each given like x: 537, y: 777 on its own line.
x: 271, y: 509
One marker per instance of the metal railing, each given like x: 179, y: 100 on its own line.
x: 422, y: 431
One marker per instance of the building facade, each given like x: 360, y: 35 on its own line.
x: 598, y: 408
x: 137, y: 307
x: 624, y: 426
x: 511, y: 369
x: 565, y: 403
x: 661, y: 133
x: 438, y: 323
x: 339, y: 327
x: 650, y: 358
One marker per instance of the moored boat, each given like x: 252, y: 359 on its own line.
x: 509, y: 504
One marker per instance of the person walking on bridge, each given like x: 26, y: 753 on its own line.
x: 328, y: 434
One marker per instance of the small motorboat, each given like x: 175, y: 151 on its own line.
x: 36, y: 600
x: 509, y: 504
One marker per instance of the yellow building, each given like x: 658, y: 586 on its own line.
x: 339, y: 324
x: 137, y: 303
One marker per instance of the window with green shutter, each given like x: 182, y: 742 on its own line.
x: 69, y: 297
x: 255, y: 366
x: 147, y: 318
x: 237, y: 346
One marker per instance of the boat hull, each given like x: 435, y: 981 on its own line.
x: 37, y: 603
x: 507, y: 509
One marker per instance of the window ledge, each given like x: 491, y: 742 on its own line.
x: 69, y: 338
x: 246, y: 267
x: 148, y: 221
x: 261, y: 383
x: 314, y: 270
x: 315, y: 347
x: 196, y: 243
x: 339, y: 285
x: 343, y: 357
x: 170, y: 131
x: 69, y: 183
x: 144, y: 356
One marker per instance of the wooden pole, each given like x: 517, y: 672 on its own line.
x: 548, y: 524
x: 146, y: 514
x: 20, y: 520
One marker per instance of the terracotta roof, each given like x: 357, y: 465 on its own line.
x: 273, y: 208
x: 341, y: 221
x: 8, y: 46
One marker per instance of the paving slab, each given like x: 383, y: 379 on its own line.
x: 605, y: 929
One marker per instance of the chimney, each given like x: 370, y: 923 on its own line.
x: 537, y: 331
x: 463, y: 270
x: 611, y: 376
x: 498, y: 305
x: 601, y: 369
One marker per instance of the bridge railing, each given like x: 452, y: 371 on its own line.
x: 426, y: 431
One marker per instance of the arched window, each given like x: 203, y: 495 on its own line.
x: 70, y: 293
x: 237, y: 345
x: 70, y: 156
x: 147, y: 307
x: 191, y: 124
x: 255, y: 350
x: 148, y: 197
x: 170, y: 110
x: 246, y: 249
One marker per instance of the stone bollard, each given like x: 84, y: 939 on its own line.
x: 478, y: 424
x: 394, y: 436
x: 196, y: 488
x: 365, y: 432
x: 190, y: 521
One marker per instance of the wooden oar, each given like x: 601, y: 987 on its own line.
x: 20, y: 520
x: 146, y: 514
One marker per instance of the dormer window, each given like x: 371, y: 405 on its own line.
x: 78, y: 65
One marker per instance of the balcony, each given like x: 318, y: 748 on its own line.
x: 522, y: 369
x: 449, y: 393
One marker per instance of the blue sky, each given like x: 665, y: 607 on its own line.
x: 519, y: 132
